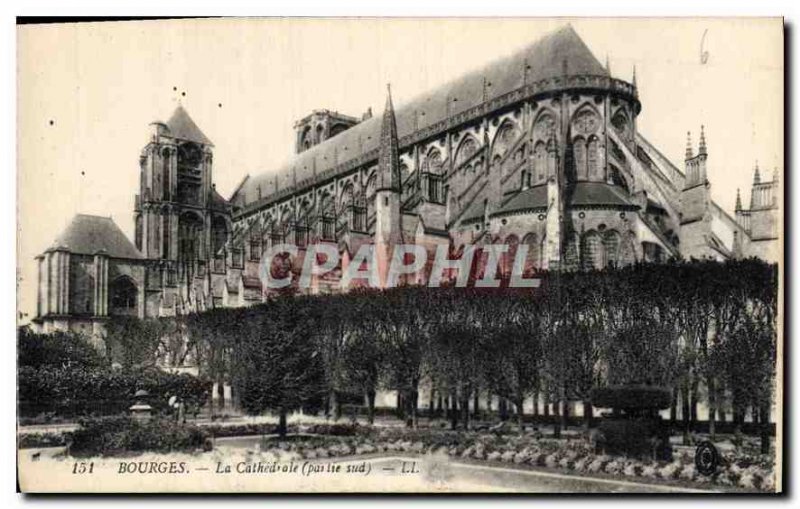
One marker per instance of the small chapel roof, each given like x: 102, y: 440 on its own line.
x: 546, y: 58
x: 87, y: 234
x: 181, y: 126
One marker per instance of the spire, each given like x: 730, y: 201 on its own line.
x: 702, y: 150
x: 738, y: 200
x: 388, y: 155
x: 757, y: 175
x: 689, y: 153
x: 634, y: 75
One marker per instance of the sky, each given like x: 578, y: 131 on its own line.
x: 87, y: 93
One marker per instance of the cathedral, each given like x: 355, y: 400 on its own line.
x: 540, y: 148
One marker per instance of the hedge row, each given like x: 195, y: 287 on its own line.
x: 84, y: 391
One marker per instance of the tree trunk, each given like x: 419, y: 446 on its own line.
x: 439, y: 404
x: 764, y: 427
x: 476, y: 406
x: 282, y: 423
x: 685, y: 413
x: 503, y: 407
x: 536, y: 402
x: 371, y: 406
x: 712, y: 408
x: 588, y: 413
x: 414, y: 403
x: 673, y: 407
x: 453, y: 412
x: 520, y: 402
x: 564, y: 413
x: 221, y: 394
x: 331, y: 407
x: 694, y: 398
x: 400, y: 405
x: 432, y: 402
x: 546, y: 406
x: 465, y: 409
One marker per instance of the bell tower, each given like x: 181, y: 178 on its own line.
x: 172, y: 209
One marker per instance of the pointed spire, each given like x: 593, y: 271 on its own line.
x: 738, y: 200
x: 634, y: 75
x: 388, y: 154
x: 703, y: 150
x: 757, y: 175
x: 689, y: 152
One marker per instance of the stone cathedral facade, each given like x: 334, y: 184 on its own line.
x: 541, y: 148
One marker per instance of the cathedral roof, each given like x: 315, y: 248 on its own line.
x: 181, y: 126
x: 89, y: 234
x: 541, y: 60
x: 599, y: 194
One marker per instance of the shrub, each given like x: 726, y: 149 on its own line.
x: 115, y: 436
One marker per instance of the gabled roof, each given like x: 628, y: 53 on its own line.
x: 181, y: 126
x: 544, y: 59
x: 89, y: 234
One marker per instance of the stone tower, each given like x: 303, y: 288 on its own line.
x: 175, y: 191
x: 694, y: 201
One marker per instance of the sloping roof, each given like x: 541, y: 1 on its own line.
x: 533, y: 198
x: 598, y: 193
x: 544, y: 58
x: 181, y: 126
x: 583, y: 194
x: 89, y: 234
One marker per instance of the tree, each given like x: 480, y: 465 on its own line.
x: 511, y: 356
x: 133, y: 342
x: 279, y: 366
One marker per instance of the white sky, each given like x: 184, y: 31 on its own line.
x: 102, y: 84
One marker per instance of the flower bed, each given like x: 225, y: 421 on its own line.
x: 574, y: 456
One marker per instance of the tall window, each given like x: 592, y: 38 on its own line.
x: 579, y: 151
x: 165, y: 170
x: 591, y: 158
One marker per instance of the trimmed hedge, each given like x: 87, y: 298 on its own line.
x: 76, y: 391
x: 115, y: 436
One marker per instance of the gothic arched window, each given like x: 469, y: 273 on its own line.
x: 579, y: 153
x: 540, y: 161
x: 468, y: 147
x: 611, y: 242
x: 123, y: 297
x: 592, y: 256
x: 593, y: 168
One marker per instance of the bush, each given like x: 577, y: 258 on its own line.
x: 57, y: 350
x: 115, y: 436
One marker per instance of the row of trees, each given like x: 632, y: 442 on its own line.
x: 706, y: 329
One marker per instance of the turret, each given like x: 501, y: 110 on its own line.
x: 387, y: 190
